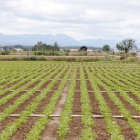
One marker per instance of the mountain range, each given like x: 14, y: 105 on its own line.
x: 61, y: 39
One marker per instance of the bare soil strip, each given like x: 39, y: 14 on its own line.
x: 76, y: 128
x: 30, y: 122
x: 10, y: 102
x: 50, y: 131
x: 100, y: 129
x: 111, y: 105
x: 128, y: 106
x: 76, y: 125
x: 5, y: 122
x: 134, y: 97
x: 21, y: 133
x: 126, y: 130
x: 94, y: 104
x: 5, y: 94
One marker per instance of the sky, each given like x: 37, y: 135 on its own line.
x: 79, y: 19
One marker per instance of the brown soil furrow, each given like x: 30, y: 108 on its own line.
x: 44, y: 85
x: 50, y: 131
x: 111, y: 105
x: 21, y: 132
x: 26, y: 103
x: 5, y: 94
x: 100, y: 129
x: 44, y: 103
x: 10, y: 102
x: 76, y: 128
x: 76, y: 125
x: 126, y: 130
x: 94, y: 104
x: 134, y: 97
x: 5, y: 122
x: 128, y: 106
x: 21, y: 85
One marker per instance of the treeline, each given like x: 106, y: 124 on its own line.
x: 78, y: 47
x: 9, y: 47
x: 43, y: 47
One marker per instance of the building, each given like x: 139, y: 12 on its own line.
x: 74, y: 50
x: 89, y: 50
x: 18, y: 49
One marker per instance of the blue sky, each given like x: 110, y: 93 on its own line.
x: 80, y: 19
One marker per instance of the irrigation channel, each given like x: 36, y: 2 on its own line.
x: 72, y: 101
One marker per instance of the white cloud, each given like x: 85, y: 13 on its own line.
x: 97, y: 19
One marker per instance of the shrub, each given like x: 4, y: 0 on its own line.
x: 6, y: 52
x: 42, y: 59
x: 67, y: 52
x: 14, y: 59
x: 34, y: 58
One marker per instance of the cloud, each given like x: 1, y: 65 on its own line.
x: 80, y: 19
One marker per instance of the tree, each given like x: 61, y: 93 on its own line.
x: 106, y: 48
x: 25, y: 49
x: 67, y: 52
x: 126, y: 45
x: 39, y: 43
x: 56, y: 44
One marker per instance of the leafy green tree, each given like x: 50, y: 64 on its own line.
x: 106, y: 48
x: 39, y: 43
x: 67, y: 52
x: 126, y: 45
x: 6, y: 52
x: 25, y: 49
x: 55, y: 44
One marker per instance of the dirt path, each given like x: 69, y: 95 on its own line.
x: 50, y: 131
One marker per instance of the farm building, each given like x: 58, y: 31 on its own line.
x: 83, y: 48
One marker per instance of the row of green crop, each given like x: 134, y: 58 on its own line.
x: 126, y: 113
x: 12, y: 127
x: 41, y: 123
x: 10, y: 74
x: 14, y: 93
x: 21, y: 82
x: 12, y: 79
x: 22, y: 74
x: 116, y: 78
x: 112, y: 127
x: 87, y: 119
x: 66, y: 118
x: 27, y: 95
x: 122, y: 93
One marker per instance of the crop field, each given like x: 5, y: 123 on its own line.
x: 72, y: 101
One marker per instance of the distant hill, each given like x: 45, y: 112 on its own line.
x: 61, y: 39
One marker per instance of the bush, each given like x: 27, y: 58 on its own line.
x: 6, y: 52
x: 14, y: 59
x: 85, y: 53
x: 121, y: 58
x: 42, y: 59
x: 67, y: 52
x: 26, y: 58
x: 131, y: 60
x: 34, y: 58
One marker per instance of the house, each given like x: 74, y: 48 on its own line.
x: 18, y: 49
x: 74, y: 50
x: 89, y: 50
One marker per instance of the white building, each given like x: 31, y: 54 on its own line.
x: 18, y: 49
